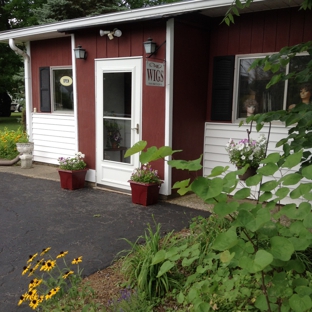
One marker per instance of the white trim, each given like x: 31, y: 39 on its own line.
x: 166, y: 187
x: 208, y: 7
x: 74, y: 69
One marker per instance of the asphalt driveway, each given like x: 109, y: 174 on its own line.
x: 37, y: 213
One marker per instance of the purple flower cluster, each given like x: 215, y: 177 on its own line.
x: 145, y: 174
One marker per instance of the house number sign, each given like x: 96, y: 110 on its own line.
x: 155, y: 74
x: 66, y: 81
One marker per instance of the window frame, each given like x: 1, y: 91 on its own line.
x: 254, y: 56
x: 53, y: 111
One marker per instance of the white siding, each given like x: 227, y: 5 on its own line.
x: 217, y: 136
x: 53, y: 137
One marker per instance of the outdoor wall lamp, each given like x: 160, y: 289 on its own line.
x: 111, y: 34
x: 151, y: 47
x: 80, y: 53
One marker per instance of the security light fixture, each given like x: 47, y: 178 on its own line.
x: 111, y: 34
x: 150, y: 46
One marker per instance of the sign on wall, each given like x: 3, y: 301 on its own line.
x: 155, y: 74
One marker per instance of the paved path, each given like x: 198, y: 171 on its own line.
x: 37, y: 213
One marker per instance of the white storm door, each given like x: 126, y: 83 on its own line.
x: 118, y: 119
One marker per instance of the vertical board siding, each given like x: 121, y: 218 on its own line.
x: 217, y: 136
x: 53, y: 137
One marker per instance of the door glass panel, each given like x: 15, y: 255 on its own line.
x: 117, y: 115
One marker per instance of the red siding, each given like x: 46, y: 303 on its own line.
x: 129, y: 44
x: 189, y: 95
x: 261, y: 32
x: 55, y: 52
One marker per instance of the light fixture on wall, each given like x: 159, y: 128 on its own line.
x: 80, y: 53
x: 151, y: 47
x: 111, y: 34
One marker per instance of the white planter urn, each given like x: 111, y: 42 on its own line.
x: 25, y: 149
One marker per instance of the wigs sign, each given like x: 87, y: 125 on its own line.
x: 155, y: 74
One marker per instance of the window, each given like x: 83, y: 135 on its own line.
x: 62, y: 86
x: 252, y: 97
x: 56, y: 89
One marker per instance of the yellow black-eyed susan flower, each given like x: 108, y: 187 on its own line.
x: 67, y: 274
x: 25, y: 269
x: 31, y: 294
x: 38, y: 264
x: 34, y: 283
x: 52, y: 292
x: 44, y: 251
x: 32, y: 257
x: 22, y: 299
x: 48, y: 295
x: 77, y: 260
x: 34, y: 303
x: 48, y: 265
x: 62, y: 254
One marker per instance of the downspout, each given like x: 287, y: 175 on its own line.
x: 26, y: 58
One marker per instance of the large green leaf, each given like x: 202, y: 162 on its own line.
x: 254, y: 180
x: 191, y: 165
x: 225, y: 240
x: 136, y: 148
x: 206, y: 188
x: 222, y: 209
x: 271, y: 158
x: 165, y: 267
x: 256, y: 263
x: 281, y: 248
x: 268, y: 169
x: 291, y: 179
x: 293, y: 160
x: 300, y: 303
x: 182, y: 186
x: 269, y: 186
x: 160, y: 256
x: 217, y: 171
x: 301, y: 190
x: 242, y: 194
x: 282, y: 192
x: 149, y: 155
x: 307, y: 172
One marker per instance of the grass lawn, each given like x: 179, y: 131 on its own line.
x: 12, y: 123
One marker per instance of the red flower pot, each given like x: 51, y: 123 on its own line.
x: 144, y: 193
x: 72, y: 179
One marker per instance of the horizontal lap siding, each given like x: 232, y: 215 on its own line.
x: 53, y: 137
x: 217, y: 136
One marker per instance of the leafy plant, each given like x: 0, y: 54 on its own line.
x: 8, y: 140
x: 74, y: 163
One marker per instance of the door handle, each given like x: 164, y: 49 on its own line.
x: 137, y: 128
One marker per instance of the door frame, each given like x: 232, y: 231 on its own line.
x: 122, y: 171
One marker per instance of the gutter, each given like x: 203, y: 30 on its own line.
x: 26, y: 58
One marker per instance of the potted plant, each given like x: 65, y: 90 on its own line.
x: 72, y: 171
x: 247, y: 152
x: 145, y: 181
x: 25, y: 148
x: 145, y: 184
x: 113, y: 134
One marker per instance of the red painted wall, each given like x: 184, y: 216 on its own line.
x: 190, y: 91
x: 129, y: 44
x: 54, y: 52
x: 261, y: 32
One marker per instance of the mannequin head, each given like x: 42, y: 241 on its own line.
x: 305, y: 93
x: 250, y: 106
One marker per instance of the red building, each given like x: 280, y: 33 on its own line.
x: 189, y: 95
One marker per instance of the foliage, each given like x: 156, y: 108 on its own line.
x: 58, y: 287
x: 145, y: 174
x: 8, y: 140
x: 247, y: 151
x: 74, y: 163
x: 144, y: 271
